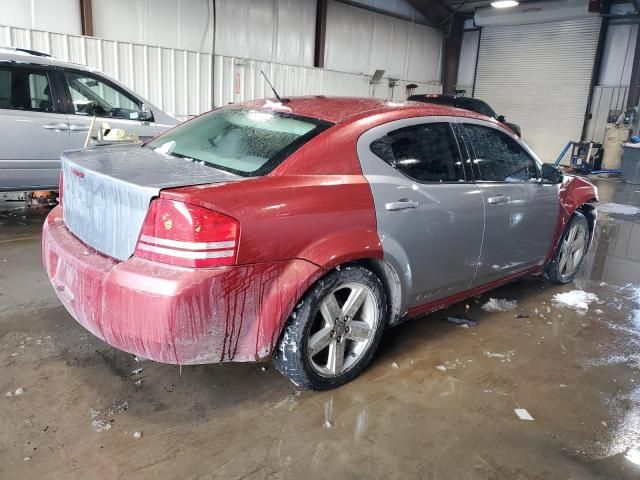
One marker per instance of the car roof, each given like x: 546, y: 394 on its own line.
x: 340, y: 109
x: 33, y: 57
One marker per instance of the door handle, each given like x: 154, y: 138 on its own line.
x: 79, y: 128
x: 56, y: 126
x: 401, y: 205
x: 499, y: 199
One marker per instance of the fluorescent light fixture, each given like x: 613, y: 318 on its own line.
x: 505, y: 4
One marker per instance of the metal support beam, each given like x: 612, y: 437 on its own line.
x: 321, y: 33
x: 634, y: 84
x: 451, y: 53
x: 86, y: 18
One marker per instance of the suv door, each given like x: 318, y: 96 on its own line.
x: 520, y: 211
x: 90, y: 94
x: 430, y: 216
x: 34, y: 125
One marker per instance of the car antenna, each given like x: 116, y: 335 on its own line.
x: 281, y: 100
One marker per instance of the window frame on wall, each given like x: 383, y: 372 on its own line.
x: 472, y: 157
x: 68, y: 101
x: 54, y: 95
x: 461, y: 172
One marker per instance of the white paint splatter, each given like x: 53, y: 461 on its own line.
x: 579, y: 300
x: 100, y: 425
x: 523, y: 414
x: 499, y: 305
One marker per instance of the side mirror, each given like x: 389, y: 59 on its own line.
x: 145, y: 115
x: 502, y: 118
x: 551, y: 174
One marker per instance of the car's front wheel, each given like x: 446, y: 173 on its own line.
x: 571, y: 250
x: 333, y: 333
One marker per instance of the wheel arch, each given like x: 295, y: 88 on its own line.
x: 392, y: 284
x: 588, y: 209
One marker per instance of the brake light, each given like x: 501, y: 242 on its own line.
x: 187, y: 235
x: 60, y: 188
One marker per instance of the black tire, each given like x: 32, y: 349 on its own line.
x: 292, y: 354
x: 555, y: 271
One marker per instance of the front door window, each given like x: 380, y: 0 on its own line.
x: 92, y: 96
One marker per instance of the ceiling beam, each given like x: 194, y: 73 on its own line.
x: 433, y: 10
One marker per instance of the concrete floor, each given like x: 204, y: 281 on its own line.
x: 578, y: 375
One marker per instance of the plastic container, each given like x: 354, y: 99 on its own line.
x: 630, y: 165
x: 614, y: 137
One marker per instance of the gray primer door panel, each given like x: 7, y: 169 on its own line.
x: 520, y: 220
x: 107, y: 191
x: 519, y: 231
x: 434, y: 240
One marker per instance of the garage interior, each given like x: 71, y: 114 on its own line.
x: 523, y: 387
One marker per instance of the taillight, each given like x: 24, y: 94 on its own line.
x: 187, y: 235
x: 60, y: 188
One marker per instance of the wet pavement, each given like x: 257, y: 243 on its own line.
x: 437, y: 402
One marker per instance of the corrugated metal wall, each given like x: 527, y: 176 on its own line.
x: 604, y: 100
x: 238, y: 80
x: 361, y: 41
x: 58, y: 16
x: 183, y: 82
x: 281, y: 31
x: 614, y: 77
x: 182, y: 24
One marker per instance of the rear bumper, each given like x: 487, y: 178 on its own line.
x: 173, y: 314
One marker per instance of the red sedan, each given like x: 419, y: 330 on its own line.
x: 299, y: 230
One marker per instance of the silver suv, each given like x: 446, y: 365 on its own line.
x: 46, y: 107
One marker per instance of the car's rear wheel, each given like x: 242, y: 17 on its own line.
x: 571, y: 250
x: 333, y: 333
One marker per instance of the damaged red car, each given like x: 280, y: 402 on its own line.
x: 299, y: 230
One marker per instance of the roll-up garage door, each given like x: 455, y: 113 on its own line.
x: 539, y: 76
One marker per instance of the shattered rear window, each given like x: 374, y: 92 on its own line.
x: 245, y: 142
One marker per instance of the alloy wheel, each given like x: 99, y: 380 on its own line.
x: 343, y: 329
x: 572, y: 250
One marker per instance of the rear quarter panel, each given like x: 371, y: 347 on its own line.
x: 325, y: 219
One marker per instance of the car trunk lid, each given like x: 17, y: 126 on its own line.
x: 107, y: 192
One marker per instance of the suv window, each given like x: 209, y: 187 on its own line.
x: 499, y: 157
x: 24, y: 89
x: 92, y: 96
x: 427, y: 152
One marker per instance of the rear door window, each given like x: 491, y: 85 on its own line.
x: 25, y: 89
x: 426, y: 152
x: 244, y: 142
x: 499, y: 157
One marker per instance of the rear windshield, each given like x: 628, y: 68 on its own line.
x: 475, y: 105
x: 245, y: 142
